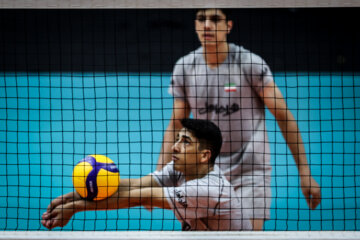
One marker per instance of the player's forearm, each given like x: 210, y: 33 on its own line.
x: 294, y: 140
x: 119, y: 200
x: 165, y: 153
x: 124, y: 199
x: 181, y: 109
x: 128, y: 185
x: 273, y: 99
x: 136, y: 183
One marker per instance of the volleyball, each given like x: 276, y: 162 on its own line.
x: 96, y: 177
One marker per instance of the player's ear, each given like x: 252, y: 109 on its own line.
x: 205, y: 155
x: 230, y: 24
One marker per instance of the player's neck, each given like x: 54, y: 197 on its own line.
x: 201, y: 171
x: 216, y: 54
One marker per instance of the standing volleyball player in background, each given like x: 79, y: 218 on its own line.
x: 231, y: 86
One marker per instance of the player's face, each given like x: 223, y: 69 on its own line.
x: 186, y: 155
x: 212, y: 27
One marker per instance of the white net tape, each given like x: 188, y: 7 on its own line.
x: 294, y: 235
x: 176, y: 3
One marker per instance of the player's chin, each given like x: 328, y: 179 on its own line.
x: 179, y: 167
x: 209, y: 42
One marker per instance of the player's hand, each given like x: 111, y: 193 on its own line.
x: 63, y: 199
x: 311, y: 191
x: 58, y: 203
x: 58, y: 216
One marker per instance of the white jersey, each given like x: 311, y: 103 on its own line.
x: 208, y: 203
x: 228, y: 96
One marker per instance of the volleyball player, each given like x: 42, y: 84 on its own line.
x: 200, y: 196
x: 231, y: 86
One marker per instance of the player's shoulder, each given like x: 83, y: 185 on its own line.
x: 209, y: 186
x: 168, y: 176
x: 245, y: 56
x: 191, y: 57
x: 215, y: 179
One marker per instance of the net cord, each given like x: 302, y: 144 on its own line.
x: 108, y: 235
x: 143, y: 4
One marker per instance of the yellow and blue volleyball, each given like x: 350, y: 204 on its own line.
x: 96, y: 177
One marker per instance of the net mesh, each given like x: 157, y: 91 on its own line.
x: 80, y: 82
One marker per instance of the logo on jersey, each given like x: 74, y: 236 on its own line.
x: 180, y: 198
x: 218, y: 109
x: 231, y: 87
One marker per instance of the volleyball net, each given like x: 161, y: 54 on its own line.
x: 76, y: 82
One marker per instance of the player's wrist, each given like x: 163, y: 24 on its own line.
x: 304, y: 171
x: 82, y: 205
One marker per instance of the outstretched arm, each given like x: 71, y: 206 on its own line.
x: 181, y: 110
x: 64, y: 207
x: 276, y: 104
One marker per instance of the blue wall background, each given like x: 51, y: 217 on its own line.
x: 50, y: 121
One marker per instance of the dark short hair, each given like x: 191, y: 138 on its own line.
x: 226, y: 11
x: 207, y: 133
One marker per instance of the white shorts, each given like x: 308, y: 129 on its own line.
x: 255, y: 198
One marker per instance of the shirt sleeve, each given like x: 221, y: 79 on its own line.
x: 193, y: 200
x: 177, y: 85
x: 167, y: 177
x: 258, y: 72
